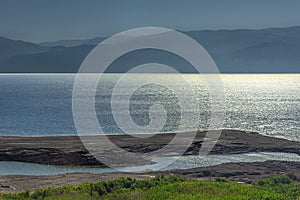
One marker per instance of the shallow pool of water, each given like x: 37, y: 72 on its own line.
x: 183, y: 162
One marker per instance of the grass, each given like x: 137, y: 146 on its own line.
x: 172, y: 187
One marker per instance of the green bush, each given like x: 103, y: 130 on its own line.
x: 224, y: 180
x: 169, y: 187
x: 274, y: 181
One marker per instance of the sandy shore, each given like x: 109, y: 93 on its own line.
x: 70, y: 151
x: 241, y: 172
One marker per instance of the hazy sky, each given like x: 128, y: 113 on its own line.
x: 41, y: 20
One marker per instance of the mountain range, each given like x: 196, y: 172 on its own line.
x: 270, y: 50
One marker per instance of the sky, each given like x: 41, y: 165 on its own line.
x: 50, y: 20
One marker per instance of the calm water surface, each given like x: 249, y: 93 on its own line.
x: 184, y: 162
x: 42, y: 104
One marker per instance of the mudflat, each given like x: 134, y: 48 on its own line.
x: 241, y: 172
x: 69, y: 150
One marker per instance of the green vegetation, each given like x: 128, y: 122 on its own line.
x: 172, y: 187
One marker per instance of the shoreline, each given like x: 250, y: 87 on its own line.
x: 238, y: 172
x: 69, y: 150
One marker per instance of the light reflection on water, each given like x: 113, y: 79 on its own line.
x: 42, y: 104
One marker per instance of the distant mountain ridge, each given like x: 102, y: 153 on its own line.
x: 72, y: 43
x: 270, y: 50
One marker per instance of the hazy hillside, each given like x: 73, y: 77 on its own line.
x: 56, y: 59
x: 9, y: 48
x: 72, y: 43
x: 238, y: 51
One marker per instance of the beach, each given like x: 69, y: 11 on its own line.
x: 68, y: 150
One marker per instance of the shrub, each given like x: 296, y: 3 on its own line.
x: 292, y: 176
x: 274, y: 181
x: 169, y: 187
x: 221, y: 179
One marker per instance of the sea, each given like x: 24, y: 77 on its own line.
x: 41, y: 104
